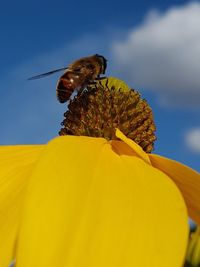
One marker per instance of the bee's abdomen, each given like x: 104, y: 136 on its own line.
x: 64, y: 90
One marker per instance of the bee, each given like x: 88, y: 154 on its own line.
x: 78, y: 75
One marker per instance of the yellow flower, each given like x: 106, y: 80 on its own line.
x: 193, y: 252
x: 88, y: 202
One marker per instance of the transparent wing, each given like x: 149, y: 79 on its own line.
x: 46, y: 74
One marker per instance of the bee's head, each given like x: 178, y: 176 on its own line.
x: 103, y: 61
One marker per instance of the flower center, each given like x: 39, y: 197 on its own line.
x: 107, y: 105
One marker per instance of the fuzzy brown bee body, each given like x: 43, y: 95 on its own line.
x: 77, y: 76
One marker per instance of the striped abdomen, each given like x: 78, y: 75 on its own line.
x: 67, y: 83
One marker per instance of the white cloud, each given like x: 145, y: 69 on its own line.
x: 163, y: 54
x: 192, y: 139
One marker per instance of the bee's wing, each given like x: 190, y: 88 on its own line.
x: 46, y: 74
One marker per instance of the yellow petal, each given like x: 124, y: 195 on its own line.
x: 135, y: 147
x: 186, y: 179
x: 16, y: 162
x: 193, y: 251
x: 89, y: 206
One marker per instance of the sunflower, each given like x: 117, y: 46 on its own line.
x: 96, y: 195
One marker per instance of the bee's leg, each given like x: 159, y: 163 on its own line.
x: 100, y: 78
x: 80, y: 90
x: 92, y: 82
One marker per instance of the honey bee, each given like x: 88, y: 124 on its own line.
x: 78, y: 75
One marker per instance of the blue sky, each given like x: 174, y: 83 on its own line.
x: 153, y: 45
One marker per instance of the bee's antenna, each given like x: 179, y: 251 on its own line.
x: 104, y: 61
